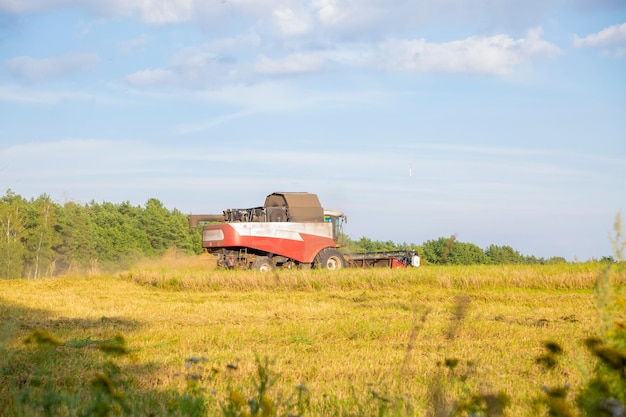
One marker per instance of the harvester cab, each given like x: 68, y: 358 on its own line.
x: 337, y: 219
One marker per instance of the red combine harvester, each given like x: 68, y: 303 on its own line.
x: 291, y: 230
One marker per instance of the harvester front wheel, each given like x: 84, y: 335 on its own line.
x: 263, y: 264
x: 330, y: 258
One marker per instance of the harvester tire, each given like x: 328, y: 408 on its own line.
x: 263, y: 264
x: 330, y: 258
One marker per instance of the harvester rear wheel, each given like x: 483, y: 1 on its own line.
x: 263, y: 264
x: 330, y: 258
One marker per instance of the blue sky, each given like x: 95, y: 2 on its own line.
x: 500, y: 121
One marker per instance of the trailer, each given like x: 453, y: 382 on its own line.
x: 291, y: 230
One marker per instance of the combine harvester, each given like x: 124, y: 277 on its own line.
x: 291, y: 230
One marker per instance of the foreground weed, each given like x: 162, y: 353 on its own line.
x: 261, y: 402
x: 605, y: 392
x: 555, y: 398
x: 469, y: 402
x: 107, y: 397
x: 198, y: 398
x: 193, y: 400
x: 38, y: 395
x: 42, y: 339
x: 457, y: 375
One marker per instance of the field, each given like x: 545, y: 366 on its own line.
x: 180, y: 338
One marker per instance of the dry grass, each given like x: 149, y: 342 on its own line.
x: 342, y: 334
x: 168, y: 275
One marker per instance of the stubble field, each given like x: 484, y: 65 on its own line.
x: 168, y: 337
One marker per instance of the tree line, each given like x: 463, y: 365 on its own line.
x: 39, y: 237
x: 447, y: 250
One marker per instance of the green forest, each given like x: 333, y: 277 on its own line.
x: 43, y: 238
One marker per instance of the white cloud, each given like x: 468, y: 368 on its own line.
x: 38, y: 70
x: 208, y: 66
x: 291, y: 23
x: 328, y: 11
x: 615, y: 34
x: 151, y: 11
x: 612, y: 37
x: 369, y: 19
x: 20, y: 94
x: 497, y: 54
x: 19, y: 6
x: 212, y: 64
x: 208, y: 73
x: 296, y: 17
x: 351, y: 16
x: 166, y: 11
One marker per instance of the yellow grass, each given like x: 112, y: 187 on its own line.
x: 342, y: 334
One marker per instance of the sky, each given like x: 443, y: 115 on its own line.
x: 498, y: 121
